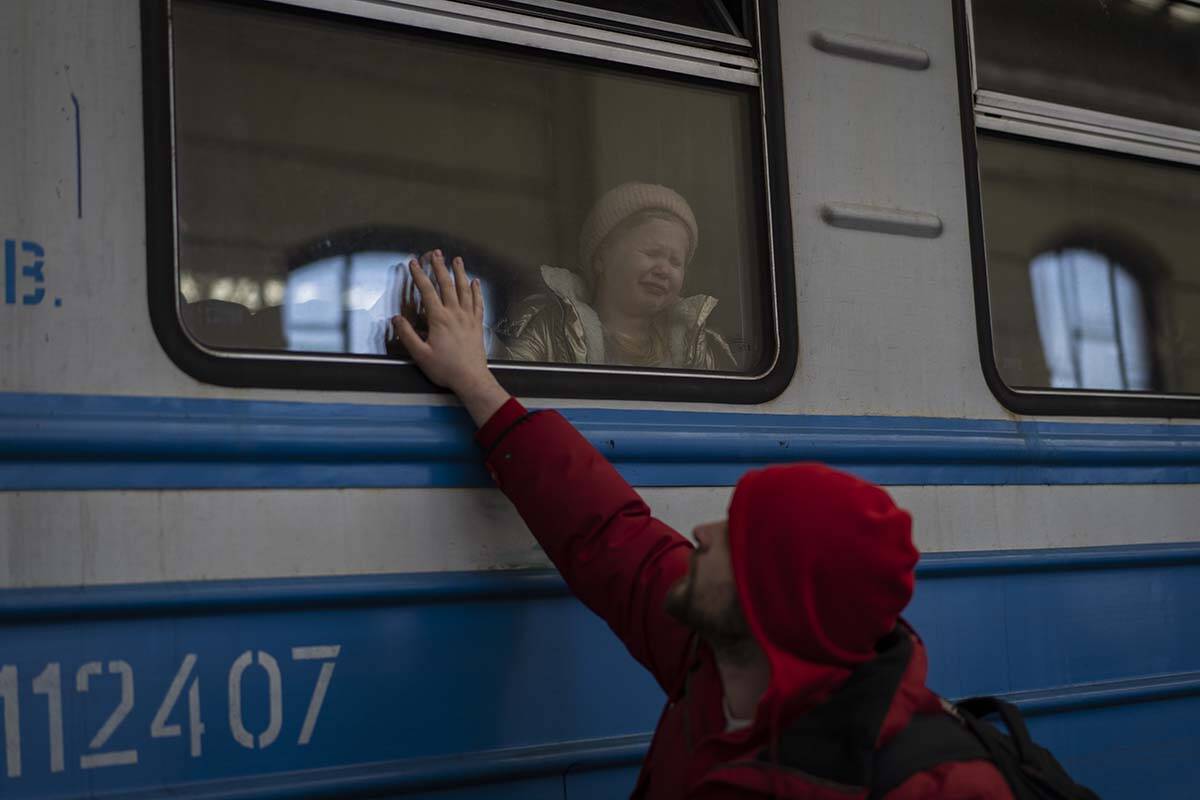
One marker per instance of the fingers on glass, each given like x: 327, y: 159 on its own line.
x: 444, y: 280
x: 477, y: 296
x: 409, y: 338
x: 463, y: 286
x: 453, y: 289
x: 429, y: 294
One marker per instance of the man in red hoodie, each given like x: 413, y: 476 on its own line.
x: 777, y: 639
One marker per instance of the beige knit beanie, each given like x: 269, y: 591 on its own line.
x: 622, y: 202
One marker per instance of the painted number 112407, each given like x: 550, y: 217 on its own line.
x: 48, y: 684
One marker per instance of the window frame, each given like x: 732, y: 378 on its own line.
x: 1033, y: 121
x: 618, y: 21
x: 348, y: 372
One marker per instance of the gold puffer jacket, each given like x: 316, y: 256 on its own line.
x: 558, y: 326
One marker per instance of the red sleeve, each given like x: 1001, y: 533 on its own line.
x: 495, y: 428
x: 617, y: 558
x: 959, y: 780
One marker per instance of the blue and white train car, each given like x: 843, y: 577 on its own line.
x: 247, y: 551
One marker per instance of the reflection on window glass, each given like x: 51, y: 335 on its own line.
x: 720, y: 15
x: 624, y: 303
x: 1090, y: 314
x: 338, y: 305
x: 344, y: 304
x: 614, y: 217
x: 1135, y: 58
x: 1092, y: 272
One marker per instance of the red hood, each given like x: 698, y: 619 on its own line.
x: 824, y: 566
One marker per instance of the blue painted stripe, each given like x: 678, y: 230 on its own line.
x: 100, y: 442
x: 998, y: 562
x: 1106, y: 694
x: 267, y: 594
x: 418, y: 775
x: 188, y: 597
x: 499, y: 684
x: 514, y: 764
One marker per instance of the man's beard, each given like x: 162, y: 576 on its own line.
x: 726, y: 630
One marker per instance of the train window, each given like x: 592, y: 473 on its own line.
x: 1091, y: 268
x: 617, y: 212
x: 1083, y: 202
x: 1150, y: 68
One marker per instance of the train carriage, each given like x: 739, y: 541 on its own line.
x: 247, y: 550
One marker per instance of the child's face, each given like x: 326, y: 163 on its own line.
x: 641, y: 270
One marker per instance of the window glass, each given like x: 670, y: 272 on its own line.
x: 1136, y: 58
x: 1092, y: 268
x: 314, y: 158
x: 1091, y: 320
x: 724, y: 16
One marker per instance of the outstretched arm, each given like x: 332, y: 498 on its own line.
x: 616, y: 557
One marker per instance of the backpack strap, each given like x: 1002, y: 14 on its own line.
x: 976, y: 708
x: 926, y: 742
x: 1031, y: 770
x: 835, y: 741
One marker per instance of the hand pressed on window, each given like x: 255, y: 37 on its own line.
x: 452, y: 353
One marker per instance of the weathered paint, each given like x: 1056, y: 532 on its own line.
x: 91, y: 538
x: 886, y: 326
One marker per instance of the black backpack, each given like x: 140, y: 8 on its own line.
x: 1031, y: 772
x: 835, y: 741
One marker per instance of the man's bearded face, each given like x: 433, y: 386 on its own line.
x: 706, y: 599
